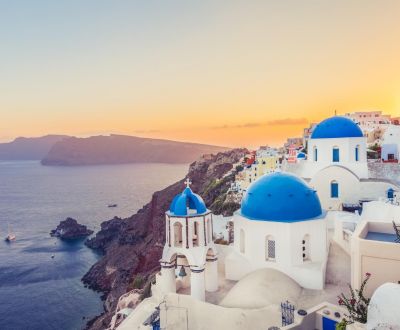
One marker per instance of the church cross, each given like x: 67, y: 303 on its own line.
x: 188, y: 182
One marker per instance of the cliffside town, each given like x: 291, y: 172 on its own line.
x: 132, y: 247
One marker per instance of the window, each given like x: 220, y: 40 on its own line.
x: 242, y: 241
x: 177, y: 234
x: 334, y: 189
x: 356, y: 153
x: 270, y: 248
x: 315, y: 154
x: 305, y: 250
x: 335, y: 154
x: 196, y: 234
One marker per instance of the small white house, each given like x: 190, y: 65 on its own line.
x: 280, y: 225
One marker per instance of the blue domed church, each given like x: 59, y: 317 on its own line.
x: 337, y: 167
x: 280, y: 225
x: 189, y: 259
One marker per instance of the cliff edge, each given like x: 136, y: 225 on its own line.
x: 132, y: 247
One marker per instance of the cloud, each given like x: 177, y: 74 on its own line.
x: 147, y: 131
x: 275, y: 122
x: 288, y: 121
x: 247, y: 125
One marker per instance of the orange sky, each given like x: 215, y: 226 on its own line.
x: 221, y: 72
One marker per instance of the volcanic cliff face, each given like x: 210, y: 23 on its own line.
x: 133, y: 246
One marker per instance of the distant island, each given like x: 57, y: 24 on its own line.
x: 23, y: 148
x: 123, y: 149
x: 62, y: 150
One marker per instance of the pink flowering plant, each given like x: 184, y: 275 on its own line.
x: 356, y: 304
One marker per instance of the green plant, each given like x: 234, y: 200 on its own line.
x: 137, y: 282
x: 239, y: 168
x: 342, y: 325
x: 357, y: 303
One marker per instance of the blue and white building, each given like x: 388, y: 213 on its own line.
x: 337, y: 165
x: 280, y: 225
x: 189, y: 251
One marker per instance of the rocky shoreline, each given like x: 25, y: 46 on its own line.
x: 70, y: 229
x: 132, y: 247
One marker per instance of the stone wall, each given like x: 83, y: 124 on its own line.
x: 389, y: 171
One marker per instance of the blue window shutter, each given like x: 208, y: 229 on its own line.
x: 334, y: 190
x: 356, y: 154
x: 335, y: 154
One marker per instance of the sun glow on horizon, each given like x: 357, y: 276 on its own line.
x: 229, y: 73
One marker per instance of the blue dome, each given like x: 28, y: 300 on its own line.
x: 336, y: 127
x: 301, y: 155
x: 280, y: 197
x: 187, y: 200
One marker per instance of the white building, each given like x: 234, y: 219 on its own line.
x: 336, y: 165
x: 391, y: 144
x: 280, y: 225
x: 375, y: 250
x: 368, y: 120
x: 189, y: 248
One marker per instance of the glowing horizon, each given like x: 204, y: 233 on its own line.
x: 226, y: 73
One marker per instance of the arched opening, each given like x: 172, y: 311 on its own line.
x: 183, y: 274
x: 196, y: 233
x: 306, y: 247
x: 270, y: 253
x: 177, y: 234
x: 335, y: 155
x: 334, y: 189
x: 315, y: 152
x: 242, y: 241
x: 356, y: 153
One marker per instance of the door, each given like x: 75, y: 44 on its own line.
x: 328, y: 324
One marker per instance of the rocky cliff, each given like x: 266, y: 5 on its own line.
x: 132, y: 247
x: 122, y: 149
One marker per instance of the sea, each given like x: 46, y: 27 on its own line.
x: 38, y: 291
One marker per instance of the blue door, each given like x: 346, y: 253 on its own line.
x: 390, y: 193
x: 334, y: 190
x: 328, y: 324
x: 335, y: 154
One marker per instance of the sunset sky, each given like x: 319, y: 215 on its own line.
x: 235, y: 73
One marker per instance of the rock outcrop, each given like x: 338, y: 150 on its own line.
x: 122, y: 149
x: 133, y: 246
x: 70, y: 229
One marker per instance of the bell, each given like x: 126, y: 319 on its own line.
x: 182, y: 272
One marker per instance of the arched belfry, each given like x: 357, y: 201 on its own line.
x: 189, y: 256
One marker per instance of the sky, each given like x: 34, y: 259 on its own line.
x: 232, y: 73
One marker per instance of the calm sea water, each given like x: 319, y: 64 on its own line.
x: 36, y: 291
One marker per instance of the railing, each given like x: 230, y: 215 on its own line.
x: 287, y: 310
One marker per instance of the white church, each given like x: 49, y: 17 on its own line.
x: 280, y: 225
x: 337, y: 167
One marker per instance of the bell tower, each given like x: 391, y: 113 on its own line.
x: 189, y: 257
